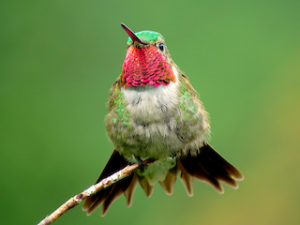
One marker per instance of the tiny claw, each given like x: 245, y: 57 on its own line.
x: 142, y: 164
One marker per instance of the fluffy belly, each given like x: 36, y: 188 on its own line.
x: 153, y: 140
x: 150, y: 126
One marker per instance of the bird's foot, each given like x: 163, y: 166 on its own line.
x: 142, y: 164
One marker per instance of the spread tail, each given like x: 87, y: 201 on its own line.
x: 206, y: 166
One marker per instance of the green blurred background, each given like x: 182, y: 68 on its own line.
x: 58, y: 60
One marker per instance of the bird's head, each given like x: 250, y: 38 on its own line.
x: 147, y: 60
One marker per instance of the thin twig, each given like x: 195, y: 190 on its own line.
x: 72, y: 202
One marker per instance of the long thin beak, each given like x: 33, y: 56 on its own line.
x: 132, y: 35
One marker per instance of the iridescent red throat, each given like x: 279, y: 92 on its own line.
x: 145, y: 66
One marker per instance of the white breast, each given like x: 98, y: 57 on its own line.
x: 151, y: 103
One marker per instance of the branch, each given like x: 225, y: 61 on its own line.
x: 72, y: 202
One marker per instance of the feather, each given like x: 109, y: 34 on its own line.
x: 130, y: 190
x: 186, y: 178
x: 210, y: 167
x: 118, y: 189
x: 169, y: 181
x: 148, y: 189
x: 109, y: 194
x: 219, y: 162
x: 194, y: 168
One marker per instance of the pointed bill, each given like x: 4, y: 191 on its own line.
x: 132, y: 35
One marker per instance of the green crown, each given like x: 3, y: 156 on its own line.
x: 146, y: 36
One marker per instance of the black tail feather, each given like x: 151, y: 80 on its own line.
x: 211, y: 167
x: 130, y: 190
x: 108, y: 195
x: 219, y: 161
x: 197, y: 170
x: 118, y: 189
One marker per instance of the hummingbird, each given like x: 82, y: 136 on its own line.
x: 155, y: 113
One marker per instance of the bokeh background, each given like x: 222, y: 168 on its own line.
x: 58, y: 60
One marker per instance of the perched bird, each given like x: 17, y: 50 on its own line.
x: 155, y: 113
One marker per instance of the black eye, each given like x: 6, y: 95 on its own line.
x: 161, y: 47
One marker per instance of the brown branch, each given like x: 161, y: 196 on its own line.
x: 72, y: 202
